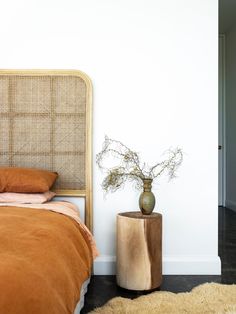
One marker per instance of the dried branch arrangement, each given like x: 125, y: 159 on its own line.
x: 130, y: 167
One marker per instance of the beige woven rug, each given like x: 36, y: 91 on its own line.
x: 206, y: 298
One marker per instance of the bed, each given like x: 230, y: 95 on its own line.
x: 46, y: 249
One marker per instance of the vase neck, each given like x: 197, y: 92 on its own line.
x: 147, y: 185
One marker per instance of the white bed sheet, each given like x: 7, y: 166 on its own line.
x: 83, y: 291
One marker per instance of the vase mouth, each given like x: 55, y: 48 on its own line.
x: 147, y: 180
x: 147, y: 185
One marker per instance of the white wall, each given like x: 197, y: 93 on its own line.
x: 153, y: 64
x: 230, y: 118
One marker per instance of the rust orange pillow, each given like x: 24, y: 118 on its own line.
x: 26, y: 180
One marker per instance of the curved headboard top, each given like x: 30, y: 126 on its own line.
x: 46, y: 122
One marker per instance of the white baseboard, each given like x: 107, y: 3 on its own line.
x: 105, y: 265
x: 172, y: 265
x: 192, y: 265
x: 230, y: 204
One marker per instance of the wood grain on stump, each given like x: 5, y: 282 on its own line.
x: 139, y: 250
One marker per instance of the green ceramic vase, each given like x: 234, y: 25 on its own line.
x: 147, y: 199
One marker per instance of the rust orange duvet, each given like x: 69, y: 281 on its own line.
x: 45, y: 256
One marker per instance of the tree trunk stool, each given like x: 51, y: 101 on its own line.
x: 139, y: 251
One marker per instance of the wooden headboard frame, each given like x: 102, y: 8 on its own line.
x: 85, y: 193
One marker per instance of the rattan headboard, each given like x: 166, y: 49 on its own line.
x: 45, y: 122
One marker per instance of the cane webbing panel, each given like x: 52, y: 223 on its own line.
x: 43, y: 125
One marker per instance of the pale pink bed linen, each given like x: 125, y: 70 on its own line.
x: 65, y: 208
x: 26, y: 198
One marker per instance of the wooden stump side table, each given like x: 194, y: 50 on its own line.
x: 139, y: 250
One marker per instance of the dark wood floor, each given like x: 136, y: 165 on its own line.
x: 103, y: 288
